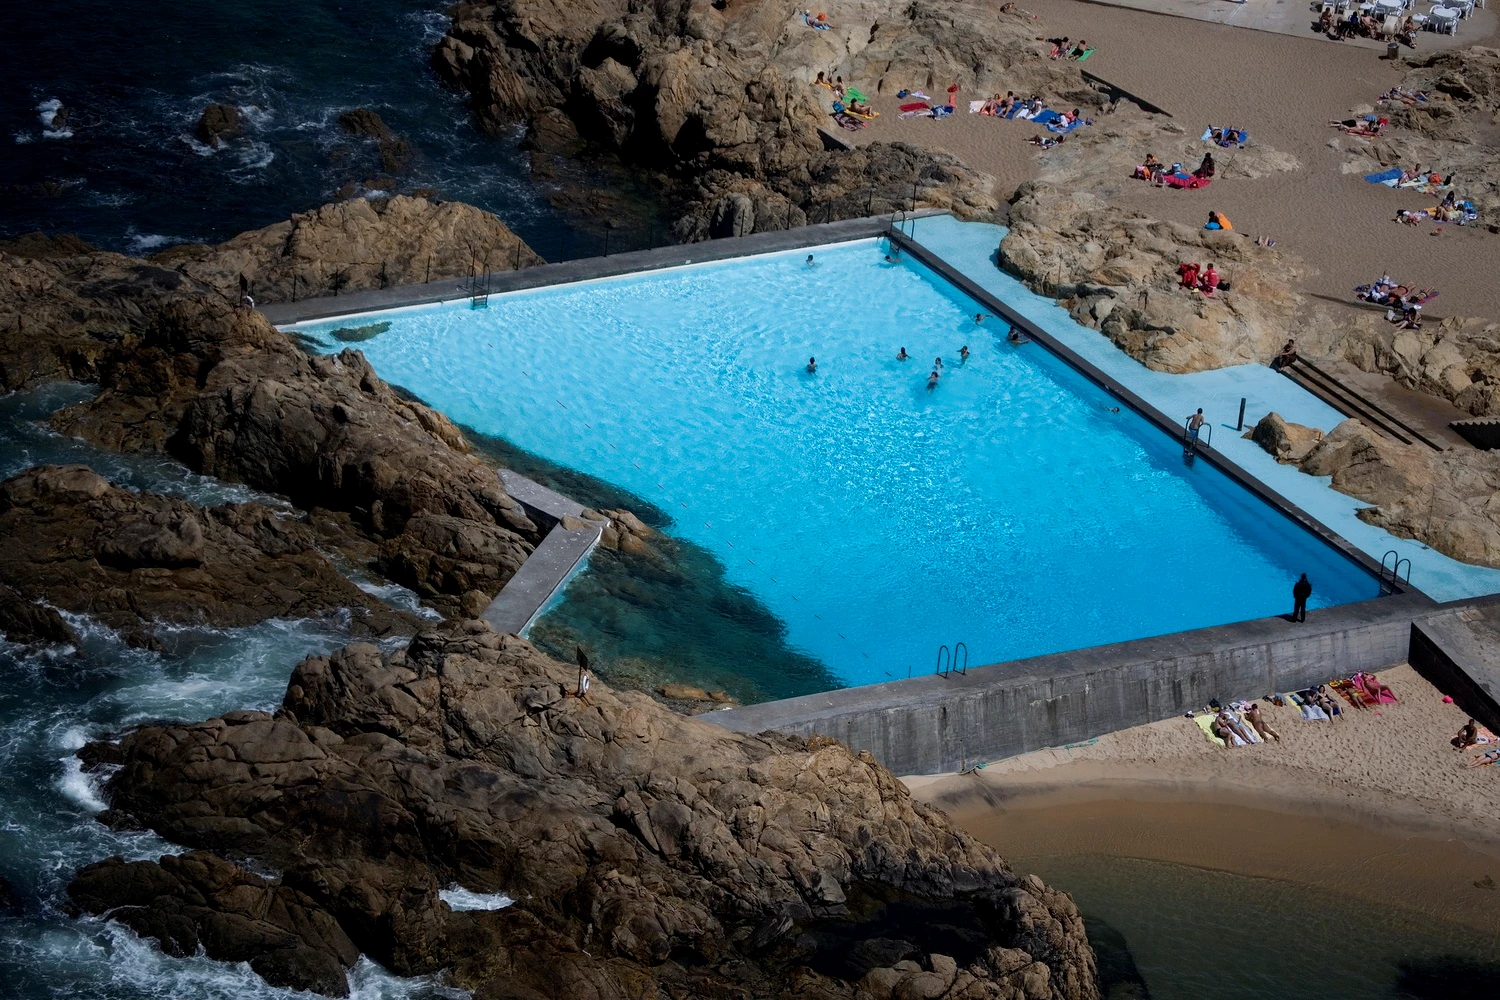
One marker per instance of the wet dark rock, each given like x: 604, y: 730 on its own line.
x: 134, y: 559
x: 395, y: 152
x: 30, y: 623
x: 728, y: 866
x: 11, y: 902
x: 218, y: 123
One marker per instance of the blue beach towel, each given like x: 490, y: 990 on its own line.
x: 942, y: 111
x: 1015, y: 109
x: 1064, y: 130
x: 1386, y: 177
x: 1046, y: 117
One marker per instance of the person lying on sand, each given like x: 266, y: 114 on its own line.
x: 1376, y: 688
x: 1488, y: 757
x: 1325, y: 701
x: 1221, y: 728
x: 1260, y: 724
x: 1078, y: 50
x: 1467, y: 736
x: 1059, y: 49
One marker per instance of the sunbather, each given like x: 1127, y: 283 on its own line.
x: 1234, y: 726
x: 1220, y: 727
x: 1488, y: 757
x: 1206, y: 168
x: 1325, y: 701
x: 1079, y: 49
x: 1374, y: 686
x: 1260, y: 724
x: 1467, y: 736
x: 1059, y: 49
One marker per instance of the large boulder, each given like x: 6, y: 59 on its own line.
x: 1288, y: 443
x: 357, y: 244
x: 647, y: 853
x: 218, y: 123
x: 134, y: 560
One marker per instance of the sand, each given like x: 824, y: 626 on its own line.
x: 1392, y: 765
x: 1372, y: 794
x: 1284, y: 89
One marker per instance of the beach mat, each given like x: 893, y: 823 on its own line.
x: 1065, y: 129
x: 1386, y: 177
x: 1046, y: 116
x: 1205, y: 721
x: 1353, y: 693
x: 974, y: 107
x: 917, y: 106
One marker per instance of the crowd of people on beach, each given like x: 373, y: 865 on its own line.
x: 1361, y: 24
x: 1242, y: 723
x: 1403, y: 302
x: 1154, y: 171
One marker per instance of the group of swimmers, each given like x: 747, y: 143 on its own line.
x: 1015, y: 337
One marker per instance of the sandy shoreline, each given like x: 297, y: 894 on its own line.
x: 1328, y: 806
x: 1283, y: 89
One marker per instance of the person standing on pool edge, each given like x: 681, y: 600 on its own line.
x: 1194, y: 425
x: 1301, y: 591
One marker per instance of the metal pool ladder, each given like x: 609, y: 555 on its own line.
x: 1187, y: 434
x: 479, y: 289
x: 1390, y: 576
x: 948, y: 662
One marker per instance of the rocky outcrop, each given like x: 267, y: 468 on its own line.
x: 218, y: 123
x: 30, y: 623
x: 135, y: 560
x: 1116, y: 270
x: 395, y: 152
x: 719, y: 97
x: 1446, y: 500
x: 185, y: 373
x: 357, y: 244
x: 1457, y: 359
x: 1288, y: 443
x: 645, y: 851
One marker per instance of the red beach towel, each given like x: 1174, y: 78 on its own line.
x: 916, y: 106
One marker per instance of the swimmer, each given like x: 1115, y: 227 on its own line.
x: 901, y: 355
x: 812, y: 366
x: 979, y: 317
x: 932, y: 380
x: 963, y: 352
x: 937, y: 362
x: 809, y: 260
x: 1017, y: 337
x: 1113, y: 409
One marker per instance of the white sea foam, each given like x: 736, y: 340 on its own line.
x: 22, y: 138
x: 64, y: 133
x: 460, y: 898
x: 397, y: 596
x: 141, y: 242
x: 47, y: 111
x: 78, y: 787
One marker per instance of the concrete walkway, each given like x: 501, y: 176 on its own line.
x: 549, y: 567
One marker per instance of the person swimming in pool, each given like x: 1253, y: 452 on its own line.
x: 810, y: 260
x: 963, y: 352
x: 812, y: 366
x: 1017, y: 337
x: 932, y: 379
x: 980, y: 317
x: 901, y: 355
x: 937, y: 363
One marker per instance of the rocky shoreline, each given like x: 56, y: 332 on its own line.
x: 643, y: 849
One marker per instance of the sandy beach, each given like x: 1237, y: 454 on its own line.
x: 1283, y: 89
x: 1375, y: 790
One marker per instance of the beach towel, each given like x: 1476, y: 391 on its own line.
x: 917, y: 106
x: 1352, y: 693
x: 917, y: 94
x: 974, y: 107
x: 848, y: 121
x: 856, y: 95
x: 923, y: 112
x: 1205, y: 722
x: 1065, y: 129
x: 866, y: 115
x: 1186, y: 181
x: 1085, y: 55
x: 1015, y: 109
x: 1386, y: 696
x: 1046, y: 116
x: 942, y: 111
x: 1387, y: 177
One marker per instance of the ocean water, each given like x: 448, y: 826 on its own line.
x: 124, y: 171
x: 53, y: 701
x: 1012, y: 507
x: 1191, y: 933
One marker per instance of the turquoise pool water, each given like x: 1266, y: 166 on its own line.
x: 1011, y: 507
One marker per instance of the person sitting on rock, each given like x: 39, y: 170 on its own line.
x: 1210, y: 281
x: 1189, y: 274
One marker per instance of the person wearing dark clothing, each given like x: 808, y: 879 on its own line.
x: 1301, y: 591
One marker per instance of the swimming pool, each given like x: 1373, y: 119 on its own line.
x: 1011, y: 507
